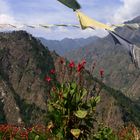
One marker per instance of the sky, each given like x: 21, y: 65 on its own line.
x: 53, y: 12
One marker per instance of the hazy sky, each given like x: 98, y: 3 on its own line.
x: 53, y: 12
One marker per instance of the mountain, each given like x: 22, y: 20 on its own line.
x: 66, y: 45
x: 135, y: 20
x: 120, y: 72
x: 24, y: 62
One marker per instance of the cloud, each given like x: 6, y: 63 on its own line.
x: 4, y: 18
x: 128, y: 10
x: 5, y: 13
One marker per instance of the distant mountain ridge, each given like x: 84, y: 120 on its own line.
x: 66, y: 45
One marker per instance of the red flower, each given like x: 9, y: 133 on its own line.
x: 81, y: 66
x: 48, y: 79
x: 29, y: 129
x: 62, y: 61
x: 71, y: 64
x: 101, y: 73
x: 52, y: 71
x: 4, y: 127
x: 24, y: 134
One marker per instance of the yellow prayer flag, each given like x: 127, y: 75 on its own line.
x: 87, y: 22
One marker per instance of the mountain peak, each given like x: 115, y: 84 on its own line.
x: 135, y: 20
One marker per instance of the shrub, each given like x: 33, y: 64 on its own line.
x: 71, y: 112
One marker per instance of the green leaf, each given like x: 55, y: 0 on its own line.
x: 73, y: 85
x: 75, y: 132
x: 97, y: 99
x: 50, y: 108
x: 57, y: 106
x: 77, y: 97
x: 84, y: 93
x: 60, y: 135
x: 50, y: 125
x: 36, y: 137
x: 80, y: 114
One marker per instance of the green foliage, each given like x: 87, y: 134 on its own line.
x: 34, y: 135
x: 105, y: 133
x: 129, y: 132
x: 9, y: 132
x: 70, y: 112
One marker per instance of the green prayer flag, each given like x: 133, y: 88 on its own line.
x: 73, y: 4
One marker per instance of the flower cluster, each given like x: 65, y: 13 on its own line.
x: 48, y: 78
x: 130, y: 132
x: 71, y: 64
x: 62, y: 61
x: 52, y: 71
x: 14, y: 131
x: 11, y: 132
